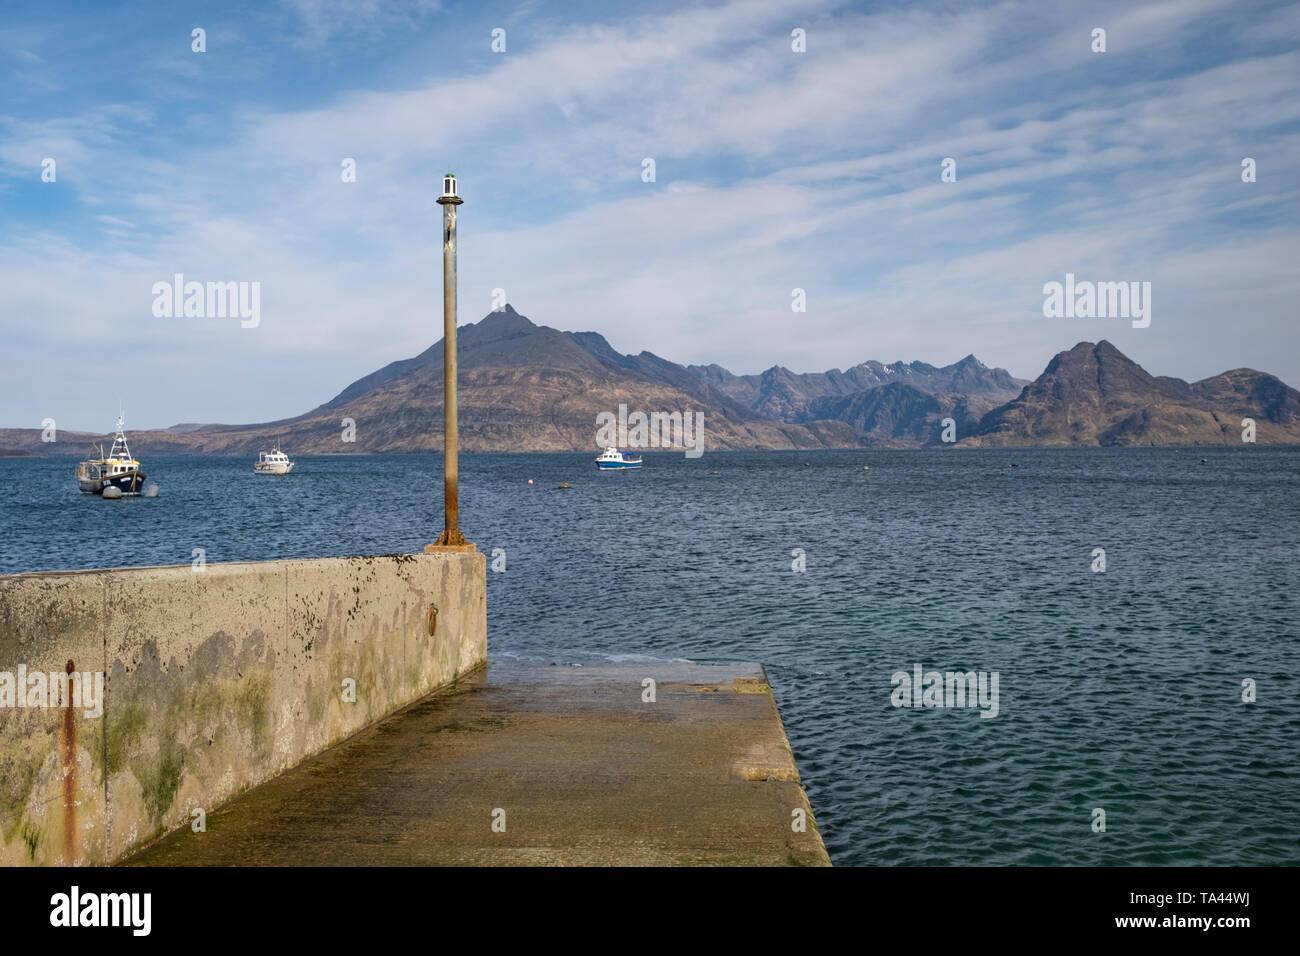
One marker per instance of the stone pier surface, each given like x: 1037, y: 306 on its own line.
x: 534, y: 764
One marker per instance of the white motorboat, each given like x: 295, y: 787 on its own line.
x: 273, y: 462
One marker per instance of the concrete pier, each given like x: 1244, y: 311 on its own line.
x: 536, y: 764
x: 206, y: 680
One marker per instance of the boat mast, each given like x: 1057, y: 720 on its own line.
x: 120, y: 438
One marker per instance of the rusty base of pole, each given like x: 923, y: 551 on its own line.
x: 457, y: 544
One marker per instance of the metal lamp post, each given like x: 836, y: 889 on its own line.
x: 451, y: 538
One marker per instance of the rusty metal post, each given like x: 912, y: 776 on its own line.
x: 451, y: 536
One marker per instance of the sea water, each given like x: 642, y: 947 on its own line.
x: 1119, y: 690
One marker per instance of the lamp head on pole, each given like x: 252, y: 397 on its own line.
x: 449, y: 191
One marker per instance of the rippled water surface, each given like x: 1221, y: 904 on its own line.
x: 1120, y: 690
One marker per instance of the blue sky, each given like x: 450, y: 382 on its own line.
x: 775, y: 170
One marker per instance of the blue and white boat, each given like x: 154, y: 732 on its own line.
x: 117, y: 469
x: 611, y: 459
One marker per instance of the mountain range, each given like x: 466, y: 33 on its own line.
x: 528, y: 387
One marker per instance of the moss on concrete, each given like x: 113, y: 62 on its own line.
x: 32, y: 838
x: 252, y: 701
x: 159, y: 781
x: 126, y: 727
x: 20, y: 762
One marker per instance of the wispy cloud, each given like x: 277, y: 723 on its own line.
x: 322, y: 20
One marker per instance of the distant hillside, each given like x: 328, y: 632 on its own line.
x: 1095, y: 395
x: 780, y: 393
x: 522, y: 387
x: 525, y: 387
x: 903, y: 414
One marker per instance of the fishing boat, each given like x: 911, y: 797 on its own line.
x: 274, y: 462
x: 611, y: 459
x: 117, y: 469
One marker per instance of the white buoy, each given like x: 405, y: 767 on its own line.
x: 112, y: 492
x: 151, y: 491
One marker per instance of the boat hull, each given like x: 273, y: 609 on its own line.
x: 273, y: 469
x: 617, y: 465
x: 131, y: 483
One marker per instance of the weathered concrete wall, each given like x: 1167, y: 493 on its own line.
x: 215, y: 681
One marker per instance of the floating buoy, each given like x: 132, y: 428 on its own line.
x: 562, y: 485
x: 112, y: 492
x: 530, y: 481
x: 151, y: 491
x: 1205, y: 459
